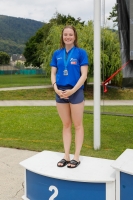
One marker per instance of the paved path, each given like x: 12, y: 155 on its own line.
x: 53, y: 103
x: 11, y: 173
x: 25, y: 88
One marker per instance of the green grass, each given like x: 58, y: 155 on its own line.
x: 45, y: 94
x: 23, y: 80
x: 31, y: 94
x: 40, y: 128
x: 26, y: 80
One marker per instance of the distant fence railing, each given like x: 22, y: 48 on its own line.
x: 23, y: 72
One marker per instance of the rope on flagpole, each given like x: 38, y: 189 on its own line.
x: 106, y: 82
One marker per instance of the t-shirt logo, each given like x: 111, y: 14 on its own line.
x: 59, y: 58
x: 73, y: 61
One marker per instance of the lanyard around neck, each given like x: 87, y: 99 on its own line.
x: 68, y: 58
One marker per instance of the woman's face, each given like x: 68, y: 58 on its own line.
x: 68, y: 36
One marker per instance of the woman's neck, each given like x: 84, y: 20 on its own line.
x: 68, y: 47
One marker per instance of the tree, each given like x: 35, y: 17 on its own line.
x: 51, y: 43
x: 34, y: 46
x: 60, y: 19
x: 41, y: 46
x: 114, y: 15
x: 110, y: 55
x: 4, y: 58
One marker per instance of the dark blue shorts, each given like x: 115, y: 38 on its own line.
x: 75, y: 98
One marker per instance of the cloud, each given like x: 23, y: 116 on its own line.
x: 44, y: 10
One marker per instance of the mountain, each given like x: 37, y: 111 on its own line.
x: 15, y: 32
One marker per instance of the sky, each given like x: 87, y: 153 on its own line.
x: 44, y: 10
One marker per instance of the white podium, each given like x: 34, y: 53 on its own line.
x: 124, y: 175
x: 93, y: 179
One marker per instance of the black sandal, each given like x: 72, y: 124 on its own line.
x: 73, y: 162
x: 63, y: 162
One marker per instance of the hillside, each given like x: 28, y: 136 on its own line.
x: 14, y: 33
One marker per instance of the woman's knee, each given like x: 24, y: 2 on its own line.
x: 67, y: 125
x: 78, y: 126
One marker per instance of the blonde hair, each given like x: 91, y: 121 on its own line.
x: 62, y: 44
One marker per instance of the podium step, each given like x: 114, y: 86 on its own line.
x: 93, y: 179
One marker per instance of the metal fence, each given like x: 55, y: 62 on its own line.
x: 22, y: 71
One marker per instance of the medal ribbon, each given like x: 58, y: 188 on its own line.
x: 68, y: 58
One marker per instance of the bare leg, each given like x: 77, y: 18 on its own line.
x: 65, y: 115
x: 77, y: 118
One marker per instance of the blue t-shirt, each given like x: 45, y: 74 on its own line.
x: 77, y: 57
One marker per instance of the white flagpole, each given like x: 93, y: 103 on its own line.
x: 97, y: 73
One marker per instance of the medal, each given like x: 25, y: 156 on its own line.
x: 65, y: 72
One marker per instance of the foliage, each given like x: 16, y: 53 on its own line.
x: 34, y: 46
x: 110, y: 53
x: 60, y: 19
x: 85, y: 41
x: 39, y: 50
x: 30, y: 51
x: 14, y: 32
x: 4, y: 58
x: 51, y: 43
x: 11, y: 47
x: 41, y: 45
x: 114, y: 15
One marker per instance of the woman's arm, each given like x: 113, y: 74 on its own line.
x: 53, y: 81
x: 53, y: 78
x: 53, y: 74
x: 83, y: 77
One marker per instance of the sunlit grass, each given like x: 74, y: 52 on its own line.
x: 23, y: 80
x: 40, y: 128
x: 49, y: 94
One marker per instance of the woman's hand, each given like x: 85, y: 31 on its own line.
x: 64, y: 94
x: 67, y: 93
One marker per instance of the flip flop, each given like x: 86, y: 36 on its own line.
x: 63, y: 162
x: 73, y: 162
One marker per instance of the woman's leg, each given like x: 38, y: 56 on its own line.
x: 77, y: 118
x: 65, y: 115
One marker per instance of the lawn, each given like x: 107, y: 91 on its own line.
x: 23, y: 80
x: 48, y: 94
x: 39, y: 128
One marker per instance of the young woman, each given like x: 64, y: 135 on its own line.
x: 69, y: 68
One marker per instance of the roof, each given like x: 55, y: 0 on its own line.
x: 17, y: 57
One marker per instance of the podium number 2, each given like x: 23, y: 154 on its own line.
x: 55, y: 194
